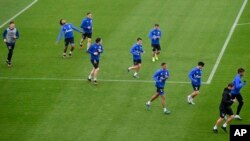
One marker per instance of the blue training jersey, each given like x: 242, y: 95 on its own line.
x: 195, y: 76
x: 95, y: 48
x: 67, y: 30
x: 136, y: 51
x: 160, y: 77
x: 155, y: 35
x: 86, y: 25
x: 238, y: 84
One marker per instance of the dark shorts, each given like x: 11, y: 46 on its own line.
x: 196, y: 87
x: 137, y: 62
x: 68, y: 41
x: 160, y: 90
x: 10, y: 45
x: 95, y: 63
x: 85, y: 35
x: 156, y: 47
x: 238, y: 97
x: 226, y: 111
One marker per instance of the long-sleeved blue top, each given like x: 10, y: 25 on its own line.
x: 238, y: 84
x: 67, y: 30
x: 195, y: 76
x: 95, y: 50
x: 160, y: 77
x: 86, y: 25
x: 136, y: 51
x: 155, y: 35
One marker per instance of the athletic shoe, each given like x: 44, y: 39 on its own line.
x: 80, y: 45
x: 215, y: 130
x: 8, y: 63
x: 147, y: 106
x: 64, y: 55
x: 153, y: 59
x: 156, y: 58
x: 128, y: 70
x: 189, y: 99
x: 89, y: 79
x: 135, y: 76
x: 224, y: 129
x: 70, y: 54
x: 95, y: 82
x: 192, y: 103
x: 237, y: 117
x: 167, y: 112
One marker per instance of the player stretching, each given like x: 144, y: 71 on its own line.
x: 225, y: 108
x: 195, y: 77
x: 86, y: 25
x: 95, y: 50
x: 9, y: 37
x: 67, y: 30
x: 160, y: 78
x: 136, y: 51
x: 155, y: 35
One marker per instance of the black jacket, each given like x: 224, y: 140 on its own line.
x: 226, y: 100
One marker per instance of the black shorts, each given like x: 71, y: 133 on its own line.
x: 68, y: 41
x: 226, y: 111
x: 10, y: 45
x: 156, y: 47
x: 85, y: 35
x: 196, y: 87
x: 160, y: 90
x: 95, y: 63
x: 238, y: 97
x: 137, y: 62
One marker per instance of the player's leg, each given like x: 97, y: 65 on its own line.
x: 91, y: 75
x: 229, y: 111
x: 10, y: 53
x: 155, y: 96
x: 219, y: 120
x: 72, y: 44
x: 196, y: 92
x: 96, y: 70
x: 82, y: 40
x: 66, y: 44
x: 137, y: 69
x: 158, y: 48
x: 88, y: 43
x: 153, y: 53
x: 240, y: 100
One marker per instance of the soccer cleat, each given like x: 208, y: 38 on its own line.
x: 237, y: 117
x: 70, y: 54
x: 224, y: 129
x: 189, y: 99
x: 89, y: 79
x: 135, y: 76
x: 64, y: 55
x: 128, y: 70
x: 95, y: 82
x: 156, y: 58
x: 215, y: 130
x: 147, y: 106
x: 192, y: 103
x: 153, y: 59
x: 167, y: 112
x: 8, y: 63
x: 80, y: 45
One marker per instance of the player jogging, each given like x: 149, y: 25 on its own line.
x: 95, y: 50
x: 136, y: 51
x: 238, y: 84
x: 155, y: 35
x: 86, y: 25
x: 225, y: 108
x: 160, y: 78
x: 195, y: 77
x: 67, y: 30
x: 9, y: 37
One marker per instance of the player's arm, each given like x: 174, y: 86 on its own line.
x: 133, y: 51
x: 17, y: 34
x: 4, y: 35
x: 225, y: 98
x: 156, y: 76
x: 84, y: 25
x: 150, y: 35
x: 190, y: 76
x: 60, y: 35
x: 76, y: 29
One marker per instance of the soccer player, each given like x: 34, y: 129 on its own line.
x: 155, y: 35
x: 238, y: 84
x: 86, y: 25
x: 160, y: 78
x: 67, y: 30
x: 9, y: 37
x: 195, y: 77
x: 225, y: 108
x: 95, y: 50
x: 136, y: 51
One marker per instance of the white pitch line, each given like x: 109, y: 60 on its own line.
x: 243, y: 24
x: 226, y: 43
x: 101, y: 80
x: 19, y: 13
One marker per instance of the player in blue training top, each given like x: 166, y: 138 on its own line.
x: 95, y: 50
x: 136, y: 51
x: 195, y: 77
x: 9, y: 37
x: 155, y: 35
x: 160, y: 78
x: 87, y: 27
x: 238, y: 84
x: 67, y: 30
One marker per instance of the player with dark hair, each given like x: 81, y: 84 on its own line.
x: 9, y: 37
x: 225, y: 108
x: 238, y: 84
x: 195, y: 77
x: 155, y: 35
x: 95, y: 50
x: 67, y: 30
x: 160, y: 78
x: 136, y: 51
x: 87, y: 27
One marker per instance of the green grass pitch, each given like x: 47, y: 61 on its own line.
x: 44, y: 97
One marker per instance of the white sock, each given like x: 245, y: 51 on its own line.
x: 90, y: 76
x: 148, y: 102
x: 215, y: 127
x: 225, y: 124
x: 70, y: 52
x: 135, y: 73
